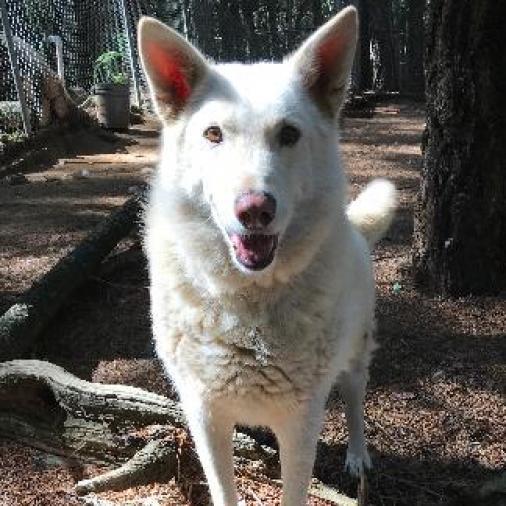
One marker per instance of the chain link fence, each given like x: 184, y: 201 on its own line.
x: 85, y: 29
x: 237, y: 30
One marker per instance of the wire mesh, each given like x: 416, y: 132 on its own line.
x: 237, y: 30
x: 87, y: 29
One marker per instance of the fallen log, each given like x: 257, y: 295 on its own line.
x: 22, y: 322
x: 46, y: 407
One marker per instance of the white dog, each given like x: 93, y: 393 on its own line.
x: 262, y: 289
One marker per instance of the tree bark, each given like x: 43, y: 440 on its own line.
x: 22, y: 323
x: 460, y: 222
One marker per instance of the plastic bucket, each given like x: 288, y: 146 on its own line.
x: 113, y: 105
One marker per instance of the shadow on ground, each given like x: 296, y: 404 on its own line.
x: 71, y: 142
x: 38, y: 216
x: 398, y: 480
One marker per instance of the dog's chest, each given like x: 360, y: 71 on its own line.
x: 244, y: 346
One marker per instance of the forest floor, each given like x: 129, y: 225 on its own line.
x: 435, y: 408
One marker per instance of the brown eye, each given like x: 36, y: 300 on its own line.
x: 213, y: 134
x: 288, y: 135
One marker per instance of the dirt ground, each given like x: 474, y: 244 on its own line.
x: 435, y: 409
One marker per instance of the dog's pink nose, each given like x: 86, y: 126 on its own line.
x: 255, y: 210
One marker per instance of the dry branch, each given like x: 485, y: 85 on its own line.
x: 158, y: 458
x: 22, y: 322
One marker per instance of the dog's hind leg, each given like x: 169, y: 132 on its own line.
x: 212, y: 433
x: 352, y: 385
x: 297, y: 436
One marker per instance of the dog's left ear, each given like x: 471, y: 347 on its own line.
x: 324, y: 60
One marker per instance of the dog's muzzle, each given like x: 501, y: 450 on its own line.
x: 255, y: 211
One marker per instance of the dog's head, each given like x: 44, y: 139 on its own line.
x: 251, y: 150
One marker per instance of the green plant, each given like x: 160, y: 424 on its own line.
x: 8, y: 138
x: 108, y: 68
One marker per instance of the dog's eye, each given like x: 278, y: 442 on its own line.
x: 288, y: 135
x: 213, y: 134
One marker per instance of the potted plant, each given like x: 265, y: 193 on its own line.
x: 112, y: 91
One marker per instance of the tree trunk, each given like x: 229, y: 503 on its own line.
x: 275, y: 47
x: 231, y: 30
x: 252, y: 40
x: 460, y: 222
x: 316, y: 10
x: 203, y: 24
x: 387, y: 71
x: 364, y: 70
x: 414, y: 82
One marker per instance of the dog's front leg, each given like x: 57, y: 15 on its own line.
x: 212, y: 432
x: 297, y: 436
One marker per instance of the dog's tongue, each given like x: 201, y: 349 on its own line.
x: 254, y: 251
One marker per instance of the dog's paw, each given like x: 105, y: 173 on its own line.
x: 357, y: 463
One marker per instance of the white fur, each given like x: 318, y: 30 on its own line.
x: 372, y: 211
x: 258, y: 347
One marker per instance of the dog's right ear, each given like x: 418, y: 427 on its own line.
x: 173, y: 67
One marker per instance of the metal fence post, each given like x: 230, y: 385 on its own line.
x: 25, y: 113
x: 133, y: 68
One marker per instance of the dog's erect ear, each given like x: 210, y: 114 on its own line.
x: 325, y: 59
x: 172, y: 65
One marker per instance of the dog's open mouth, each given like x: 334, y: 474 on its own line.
x: 256, y: 251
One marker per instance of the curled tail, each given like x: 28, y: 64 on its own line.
x: 372, y: 211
